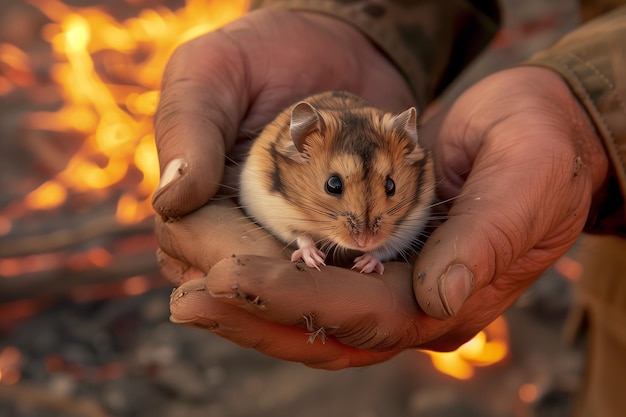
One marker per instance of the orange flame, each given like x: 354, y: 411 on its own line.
x: 486, y: 348
x: 15, y: 67
x: 112, y: 107
x: 569, y: 267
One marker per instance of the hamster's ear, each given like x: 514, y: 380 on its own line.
x: 407, y: 122
x: 304, y: 120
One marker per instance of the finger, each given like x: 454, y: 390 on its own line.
x: 367, y: 311
x: 192, y: 304
x: 532, y: 166
x: 506, y: 209
x: 212, y: 233
x: 207, y: 88
x: 174, y: 270
x: 197, y: 120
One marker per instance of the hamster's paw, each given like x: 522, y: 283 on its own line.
x: 367, y: 263
x: 311, y: 255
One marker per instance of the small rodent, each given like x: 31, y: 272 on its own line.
x: 334, y: 171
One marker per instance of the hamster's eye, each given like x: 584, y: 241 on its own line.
x: 334, y: 185
x: 390, y: 187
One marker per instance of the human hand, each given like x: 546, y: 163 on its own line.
x: 522, y: 159
x: 216, y: 90
x: 223, y: 87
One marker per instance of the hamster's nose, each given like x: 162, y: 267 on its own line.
x: 362, y: 240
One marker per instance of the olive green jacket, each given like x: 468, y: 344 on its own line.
x: 592, y: 59
x: 432, y: 41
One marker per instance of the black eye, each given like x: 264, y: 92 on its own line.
x: 334, y: 185
x: 390, y: 187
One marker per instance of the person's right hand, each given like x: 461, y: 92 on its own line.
x: 228, y: 84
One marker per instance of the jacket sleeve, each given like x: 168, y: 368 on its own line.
x: 429, y: 41
x: 592, y: 60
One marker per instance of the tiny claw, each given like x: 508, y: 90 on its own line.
x: 311, y: 256
x: 368, y: 263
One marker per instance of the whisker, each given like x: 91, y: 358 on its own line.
x: 319, y: 208
x: 250, y: 133
x: 441, y: 202
x: 229, y: 187
x: 403, y: 203
x: 442, y: 217
x: 233, y: 161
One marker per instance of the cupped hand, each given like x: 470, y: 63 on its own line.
x: 218, y: 91
x: 521, y: 161
x: 225, y: 86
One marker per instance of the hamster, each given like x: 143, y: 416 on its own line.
x: 334, y: 171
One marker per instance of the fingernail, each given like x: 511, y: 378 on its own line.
x: 173, y: 171
x: 454, y: 288
x: 184, y: 296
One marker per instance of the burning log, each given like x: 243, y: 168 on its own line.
x: 103, y: 228
x: 61, y: 281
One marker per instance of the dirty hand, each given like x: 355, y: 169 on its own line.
x: 521, y: 159
x: 218, y: 91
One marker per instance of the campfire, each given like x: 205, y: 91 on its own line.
x: 94, y: 92
x: 488, y: 347
x: 75, y: 222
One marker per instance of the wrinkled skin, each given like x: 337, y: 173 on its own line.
x: 516, y: 153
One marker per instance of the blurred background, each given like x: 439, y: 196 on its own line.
x: 84, y: 325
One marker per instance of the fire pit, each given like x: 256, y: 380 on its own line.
x: 84, y: 325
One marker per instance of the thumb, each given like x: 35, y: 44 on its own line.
x: 444, y: 276
x: 534, y: 162
x: 197, y: 121
x: 505, y: 229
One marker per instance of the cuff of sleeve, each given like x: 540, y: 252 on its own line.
x: 591, y: 61
x: 369, y: 19
x: 408, y: 32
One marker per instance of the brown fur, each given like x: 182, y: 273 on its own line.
x: 283, y: 188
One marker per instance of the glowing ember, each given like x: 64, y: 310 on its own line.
x: 10, y: 364
x: 528, y: 393
x: 111, y: 107
x: 486, y: 348
x: 5, y: 225
x: 96, y: 257
x: 15, y: 65
x: 136, y: 285
x: 569, y: 267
